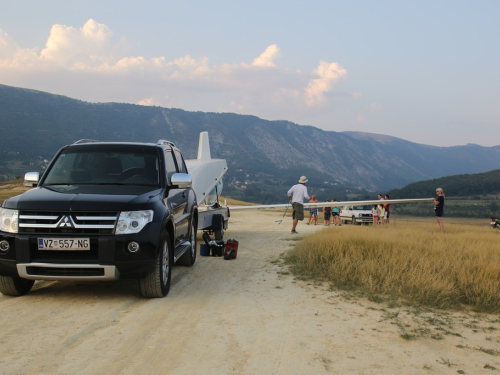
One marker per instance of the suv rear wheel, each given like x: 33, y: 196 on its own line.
x: 157, y: 283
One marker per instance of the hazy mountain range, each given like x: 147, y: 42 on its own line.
x: 34, y: 125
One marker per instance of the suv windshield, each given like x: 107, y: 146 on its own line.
x: 105, y: 165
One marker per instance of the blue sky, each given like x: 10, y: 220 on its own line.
x: 424, y: 71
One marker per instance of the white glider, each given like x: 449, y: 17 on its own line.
x: 335, y: 204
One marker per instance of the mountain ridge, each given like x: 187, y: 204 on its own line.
x: 270, y: 153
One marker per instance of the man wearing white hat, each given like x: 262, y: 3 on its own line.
x: 296, y: 195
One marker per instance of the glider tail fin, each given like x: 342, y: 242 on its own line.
x: 204, y: 147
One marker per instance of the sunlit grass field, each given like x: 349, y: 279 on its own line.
x: 10, y: 188
x: 409, y: 260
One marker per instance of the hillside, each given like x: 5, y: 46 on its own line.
x: 264, y: 157
x: 467, y: 195
x: 479, y: 184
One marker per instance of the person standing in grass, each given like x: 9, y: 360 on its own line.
x: 336, y: 214
x: 438, y: 207
x: 327, y: 211
x: 387, y: 207
x: 381, y: 211
x: 296, y: 195
x: 375, y: 214
x: 381, y: 214
x: 313, y: 211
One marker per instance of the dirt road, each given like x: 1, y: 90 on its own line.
x: 246, y: 316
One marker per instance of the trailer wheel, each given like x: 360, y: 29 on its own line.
x: 218, y: 226
x: 15, y: 286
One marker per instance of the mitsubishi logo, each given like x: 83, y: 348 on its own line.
x: 65, y: 222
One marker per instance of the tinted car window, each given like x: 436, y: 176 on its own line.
x: 169, y: 165
x: 180, y: 162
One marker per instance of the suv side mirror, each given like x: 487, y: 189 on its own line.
x: 31, y: 179
x: 182, y: 180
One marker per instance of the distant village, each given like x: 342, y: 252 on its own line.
x: 15, y: 167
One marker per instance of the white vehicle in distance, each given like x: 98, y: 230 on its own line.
x: 356, y: 215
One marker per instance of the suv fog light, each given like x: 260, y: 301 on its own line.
x: 4, y: 246
x: 133, y: 247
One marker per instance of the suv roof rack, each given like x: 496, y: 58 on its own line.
x: 85, y: 141
x: 165, y: 143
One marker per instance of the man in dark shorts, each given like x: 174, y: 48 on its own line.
x: 327, y: 211
x: 296, y: 195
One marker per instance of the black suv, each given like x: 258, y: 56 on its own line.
x: 101, y: 211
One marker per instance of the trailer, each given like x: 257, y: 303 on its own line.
x: 206, y: 174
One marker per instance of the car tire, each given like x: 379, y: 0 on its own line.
x: 353, y: 221
x: 157, y: 283
x: 189, y: 257
x: 15, y: 286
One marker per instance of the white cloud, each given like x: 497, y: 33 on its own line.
x: 87, y: 63
x: 328, y: 74
x: 12, y: 55
x: 237, y: 107
x: 148, y: 102
x: 8, y: 47
x: 71, y: 47
x: 268, y: 56
x: 376, y: 108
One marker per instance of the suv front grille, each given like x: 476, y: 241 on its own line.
x: 67, y: 222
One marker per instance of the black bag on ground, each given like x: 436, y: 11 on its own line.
x: 218, y: 249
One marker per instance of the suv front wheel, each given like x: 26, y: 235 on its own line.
x: 157, y: 283
x: 15, y: 286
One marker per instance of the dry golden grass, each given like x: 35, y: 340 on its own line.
x: 234, y: 202
x: 409, y: 260
x: 10, y: 188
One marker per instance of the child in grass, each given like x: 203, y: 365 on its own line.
x: 336, y: 214
x: 313, y: 211
x: 375, y: 214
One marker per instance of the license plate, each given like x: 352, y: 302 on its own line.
x: 63, y: 244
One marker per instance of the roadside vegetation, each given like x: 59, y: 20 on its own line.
x: 10, y: 188
x: 408, y: 261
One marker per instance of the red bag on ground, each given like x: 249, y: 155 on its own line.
x: 231, y: 250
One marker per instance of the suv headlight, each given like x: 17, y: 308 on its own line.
x: 133, y: 221
x: 9, y: 220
